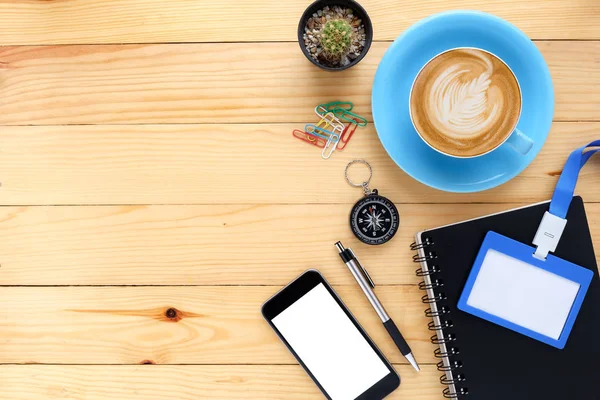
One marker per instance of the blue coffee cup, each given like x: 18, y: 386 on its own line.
x: 512, y: 137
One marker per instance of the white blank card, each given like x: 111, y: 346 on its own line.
x: 510, y: 287
x: 523, y: 294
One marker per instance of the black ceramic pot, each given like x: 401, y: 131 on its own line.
x: 357, y: 9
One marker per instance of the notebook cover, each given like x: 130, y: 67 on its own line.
x: 499, y: 363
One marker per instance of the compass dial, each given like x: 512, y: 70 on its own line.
x: 374, y: 219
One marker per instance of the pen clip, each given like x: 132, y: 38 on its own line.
x: 363, y: 270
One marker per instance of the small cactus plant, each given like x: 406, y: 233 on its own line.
x: 336, y: 38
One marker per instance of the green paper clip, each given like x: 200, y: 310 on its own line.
x: 349, y: 116
x: 345, y: 105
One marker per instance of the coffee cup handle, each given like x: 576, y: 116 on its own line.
x: 520, y: 142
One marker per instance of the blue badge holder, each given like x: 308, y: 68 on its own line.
x: 495, y: 290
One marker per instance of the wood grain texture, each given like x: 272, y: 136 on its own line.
x: 110, y: 180
x: 238, y: 164
x: 224, y: 83
x: 197, y: 245
x: 160, y: 382
x: 213, y: 325
x: 139, y: 21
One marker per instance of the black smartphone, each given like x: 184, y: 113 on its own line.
x: 332, y: 347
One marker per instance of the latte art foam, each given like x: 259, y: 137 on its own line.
x: 465, y: 102
x: 460, y: 106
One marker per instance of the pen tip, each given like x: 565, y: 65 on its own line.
x: 413, y: 362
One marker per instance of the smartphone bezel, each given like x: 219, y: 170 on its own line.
x: 294, y: 291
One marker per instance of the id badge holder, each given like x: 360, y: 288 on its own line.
x: 524, y: 288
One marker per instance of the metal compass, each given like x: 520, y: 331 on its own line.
x: 374, y: 219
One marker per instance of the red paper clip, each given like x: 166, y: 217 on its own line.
x: 346, y: 135
x: 309, y: 138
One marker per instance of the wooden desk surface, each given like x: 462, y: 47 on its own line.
x: 146, y: 163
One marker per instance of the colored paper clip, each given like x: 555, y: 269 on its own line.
x: 346, y: 135
x: 333, y: 138
x: 330, y: 146
x: 346, y: 105
x: 309, y: 138
x: 322, y: 132
x: 320, y: 110
x: 349, y: 116
x: 328, y: 120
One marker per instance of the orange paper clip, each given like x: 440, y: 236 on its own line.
x: 309, y: 138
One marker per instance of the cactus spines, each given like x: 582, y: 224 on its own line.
x: 336, y: 38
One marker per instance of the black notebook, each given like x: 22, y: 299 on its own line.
x: 484, y: 361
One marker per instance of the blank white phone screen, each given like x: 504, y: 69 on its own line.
x: 330, y: 346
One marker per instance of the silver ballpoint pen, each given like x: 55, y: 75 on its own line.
x: 366, y: 284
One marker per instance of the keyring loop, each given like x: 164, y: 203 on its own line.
x: 363, y: 185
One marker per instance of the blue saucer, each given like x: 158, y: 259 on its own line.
x: 400, y: 66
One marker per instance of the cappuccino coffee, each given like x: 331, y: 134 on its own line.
x: 465, y: 102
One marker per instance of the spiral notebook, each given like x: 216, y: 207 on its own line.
x: 484, y: 361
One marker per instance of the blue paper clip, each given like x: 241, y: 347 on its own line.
x: 322, y: 132
x: 333, y: 138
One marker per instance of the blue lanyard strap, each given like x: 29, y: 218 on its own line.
x: 565, y: 188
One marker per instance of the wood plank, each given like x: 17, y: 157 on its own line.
x: 185, y: 245
x: 237, y: 164
x: 203, y: 83
x: 214, y: 325
x: 141, y: 21
x: 190, y: 382
x: 195, y: 245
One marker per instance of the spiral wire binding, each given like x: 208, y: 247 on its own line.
x: 446, y: 352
